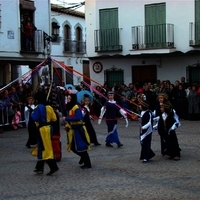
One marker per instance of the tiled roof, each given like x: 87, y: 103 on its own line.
x: 68, y: 11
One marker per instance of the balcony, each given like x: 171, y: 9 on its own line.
x: 153, y: 36
x: 72, y: 46
x: 35, y: 45
x: 107, y: 40
x: 194, y: 34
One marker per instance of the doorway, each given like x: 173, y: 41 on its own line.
x: 143, y: 73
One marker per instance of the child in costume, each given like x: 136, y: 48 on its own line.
x: 146, y: 130
x: 111, y: 109
x: 87, y: 120
x: 167, y: 125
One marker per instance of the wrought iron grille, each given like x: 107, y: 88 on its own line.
x: 108, y: 40
x: 74, y: 46
x: 153, y: 36
x: 194, y: 33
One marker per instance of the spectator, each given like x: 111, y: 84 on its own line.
x: 193, y: 103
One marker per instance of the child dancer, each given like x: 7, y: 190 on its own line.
x: 111, y: 109
x: 167, y: 125
x: 87, y: 120
x: 146, y: 132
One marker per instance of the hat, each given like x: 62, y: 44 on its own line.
x: 164, y: 95
x: 166, y: 105
x: 144, y: 103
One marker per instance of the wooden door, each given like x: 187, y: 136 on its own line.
x: 144, y: 73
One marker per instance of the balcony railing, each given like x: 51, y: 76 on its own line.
x: 153, y: 36
x: 36, y: 45
x: 194, y: 34
x: 71, y: 46
x: 108, y: 40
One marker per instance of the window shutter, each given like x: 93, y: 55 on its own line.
x: 155, y: 25
x: 197, y: 21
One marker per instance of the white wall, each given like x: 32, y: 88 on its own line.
x: 131, y: 13
x: 70, y: 59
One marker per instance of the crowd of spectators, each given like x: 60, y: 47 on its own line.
x: 184, y: 97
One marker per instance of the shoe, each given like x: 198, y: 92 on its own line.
x: 109, y: 145
x: 119, y: 145
x: 176, y: 158
x: 97, y: 144
x: 85, y: 167
x: 81, y: 161
x: 38, y: 171
x: 145, y: 161
x: 52, y: 172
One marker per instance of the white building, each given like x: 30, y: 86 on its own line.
x: 69, y: 44
x: 129, y: 41
x: 13, y: 51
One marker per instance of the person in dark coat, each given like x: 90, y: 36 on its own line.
x: 193, y: 103
x: 30, y: 124
x: 167, y: 125
x: 87, y: 120
x: 78, y: 139
x: 146, y: 130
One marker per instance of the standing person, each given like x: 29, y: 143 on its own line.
x: 193, y: 101
x: 43, y: 115
x: 29, y: 31
x: 146, y: 130
x: 167, y: 125
x: 87, y: 120
x: 30, y: 124
x: 16, y: 118
x: 111, y: 109
x: 77, y: 135
x: 181, y: 102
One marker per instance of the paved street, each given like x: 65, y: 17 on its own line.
x: 116, y: 174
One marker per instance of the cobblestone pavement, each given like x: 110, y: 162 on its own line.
x: 116, y: 173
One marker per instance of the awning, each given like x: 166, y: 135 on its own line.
x: 27, y: 5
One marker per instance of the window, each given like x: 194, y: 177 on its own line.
x: 155, y: 24
x: 78, y: 39
x: 197, y: 21
x: 55, y: 28
x: 114, y: 76
x: 67, y: 37
x: 109, y: 29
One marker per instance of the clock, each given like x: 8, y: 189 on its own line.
x: 97, y: 67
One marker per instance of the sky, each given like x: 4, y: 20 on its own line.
x: 64, y: 2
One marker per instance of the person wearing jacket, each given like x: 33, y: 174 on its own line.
x: 146, y: 130
x: 78, y: 139
x: 167, y: 125
x: 44, y: 115
x: 111, y: 109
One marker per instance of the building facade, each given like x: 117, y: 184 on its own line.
x: 143, y: 40
x: 23, y: 27
x: 69, y: 44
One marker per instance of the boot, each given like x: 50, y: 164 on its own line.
x: 108, y: 144
x: 86, y: 158
x: 53, y: 166
x: 119, y: 144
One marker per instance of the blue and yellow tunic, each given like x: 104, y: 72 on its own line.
x: 77, y: 131
x: 43, y: 116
